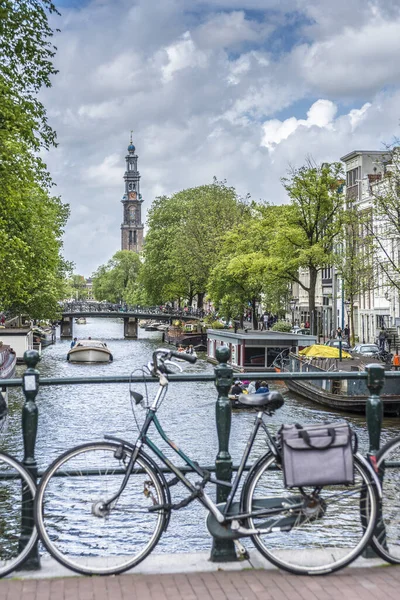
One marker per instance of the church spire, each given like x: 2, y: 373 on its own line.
x: 132, y: 226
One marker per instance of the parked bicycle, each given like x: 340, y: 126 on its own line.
x: 386, y: 539
x: 17, y: 531
x: 102, y: 507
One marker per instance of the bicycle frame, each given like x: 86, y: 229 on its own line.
x: 206, y: 501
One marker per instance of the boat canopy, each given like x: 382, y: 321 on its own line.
x: 323, y: 352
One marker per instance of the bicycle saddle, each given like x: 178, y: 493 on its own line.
x: 271, y: 400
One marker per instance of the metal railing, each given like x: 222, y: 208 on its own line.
x: 222, y: 550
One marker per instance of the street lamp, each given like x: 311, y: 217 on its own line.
x: 292, y: 304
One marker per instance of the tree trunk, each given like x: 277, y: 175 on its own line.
x: 254, y: 313
x: 352, y: 340
x: 313, y: 272
x: 200, y: 300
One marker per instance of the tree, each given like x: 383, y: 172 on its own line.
x: 118, y: 280
x: 241, y: 277
x: 26, y: 65
x: 76, y: 287
x: 305, y: 234
x: 384, y: 222
x: 354, y: 257
x: 185, y: 231
x: 31, y: 220
x: 33, y: 270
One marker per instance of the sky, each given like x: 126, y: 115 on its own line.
x: 242, y: 90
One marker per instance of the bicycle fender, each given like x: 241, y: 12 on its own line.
x: 250, y: 474
x: 371, y: 471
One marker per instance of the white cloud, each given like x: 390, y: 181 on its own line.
x: 182, y: 55
x: 321, y: 114
x: 352, y: 61
x: 201, y: 84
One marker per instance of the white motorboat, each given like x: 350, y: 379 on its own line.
x: 89, y: 351
x: 81, y: 320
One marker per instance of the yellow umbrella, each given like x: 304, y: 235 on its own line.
x: 323, y: 352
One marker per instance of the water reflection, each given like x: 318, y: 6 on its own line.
x: 69, y: 415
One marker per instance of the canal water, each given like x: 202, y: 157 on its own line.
x: 69, y: 415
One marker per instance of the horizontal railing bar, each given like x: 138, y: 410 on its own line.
x: 90, y: 472
x: 196, y: 377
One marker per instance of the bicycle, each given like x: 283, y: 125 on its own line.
x: 18, y: 534
x: 102, y: 507
x: 386, y: 538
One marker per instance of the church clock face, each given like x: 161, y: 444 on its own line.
x: 131, y: 186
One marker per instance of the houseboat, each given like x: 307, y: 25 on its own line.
x: 349, y: 395
x: 188, y: 334
x: 255, y: 350
x: 20, y: 339
x: 8, y: 361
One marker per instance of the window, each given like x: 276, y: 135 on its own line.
x: 254, y: 357
x: 353, y: 176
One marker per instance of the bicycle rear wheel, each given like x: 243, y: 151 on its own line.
x: 386, y: 539
x: 17, y: 491
x: 324, y: 536
x: 72, y: 524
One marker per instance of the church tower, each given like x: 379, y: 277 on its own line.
x: 132, y: 226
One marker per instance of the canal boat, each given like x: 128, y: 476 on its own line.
x: 44, y: 336
x: 152, y: 325
x: 89, y: 351
x: 190, y: 334
x: 253, y: 350
x: 8, y: 362
x: 80, y: 321
x: 348, y: 395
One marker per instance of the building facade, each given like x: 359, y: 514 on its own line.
x: 374, y: 307
x: 132, y: 226
x: 377, y: 305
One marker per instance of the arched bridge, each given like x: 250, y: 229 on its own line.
x: 129, y: 314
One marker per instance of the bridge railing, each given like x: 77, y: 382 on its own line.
x: 222, y: 550
x: 95, y: 307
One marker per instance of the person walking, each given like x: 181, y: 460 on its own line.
x: 382, y: 339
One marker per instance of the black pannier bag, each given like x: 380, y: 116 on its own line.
x: 316, y: 455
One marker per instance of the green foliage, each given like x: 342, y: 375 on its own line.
x: 76, y: 287
x: 305, y: 235
x: 216, y: 325
x: 282, y: 326
x: 384, y: 224
x: 31, y: 220
x: 242, y: 273
x: 26, y: 65
x: 118, y: 279
x: 182, y: 242
x: 354, y: 258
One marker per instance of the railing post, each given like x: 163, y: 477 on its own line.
x: 374, y: 407
x: 223, y: 550
x: 374, y: 417
x: 30, y: 386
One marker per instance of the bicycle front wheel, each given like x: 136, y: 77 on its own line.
x: 327, y: 534
x: 71, y: 519
x: 386, y: 539
x: 17, y: 529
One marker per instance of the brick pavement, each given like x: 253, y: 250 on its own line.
x: 352, y: 583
